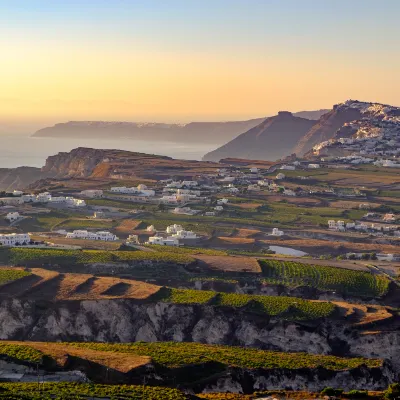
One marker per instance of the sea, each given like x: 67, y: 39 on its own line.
x: 19, y: 150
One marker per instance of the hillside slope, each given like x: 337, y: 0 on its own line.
x: 274, y: 138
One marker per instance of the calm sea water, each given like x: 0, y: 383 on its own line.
x: 18, y: 150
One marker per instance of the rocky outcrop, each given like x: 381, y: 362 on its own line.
x: 79, y: 162
x: 124, y: 320
x: 326, y: 127
x: 19, y: 178
x: 273, y: 139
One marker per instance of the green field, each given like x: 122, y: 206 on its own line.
x: 21, y: 352
x: 85, y: 391
x: 357, y: 283
x: 175, y: 354
x: 9, y: 275
x: 288, y: 308
x: 37, y: 257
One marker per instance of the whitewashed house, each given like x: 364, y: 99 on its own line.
x: 101, y: 235
x: 72, y: 202
x: 288, y: 167
x: 190, y: 183
x: 44, y: 197
x: 15, y: 239
x: 280, y: 176
x: 17, y: 193
x: 169, y: 199
x: 58, y: 199
x: 147, y: 192
x: 221, y: 202
x: 13, y: 216
x: 254, y: 170
x: 313, y: 166
x: 158, y: 240
x: 276, y: 232
x: 151, y: 228
x: 219, y: 208
x: 28, y: 198
x: 289, y: 192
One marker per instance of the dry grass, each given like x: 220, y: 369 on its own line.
x: 247, y: 206
x: 232, y: 264
x: 51, y: 285
x: 245, y: 233
x: 127, y: 226
x: 236, y: 240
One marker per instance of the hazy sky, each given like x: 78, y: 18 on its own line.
x: 170, y: 60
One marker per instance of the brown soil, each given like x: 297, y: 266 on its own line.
x: 231, y: 264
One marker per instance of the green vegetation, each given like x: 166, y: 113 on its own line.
x: 175, y: 354
x: 84, y: 223
x: 30, y: 257
x: 72, y: 390
x: 9, y: 275
x: 21, y: 352
x: 187, y: 250
x: 289, y: 308
x: 357, y: 283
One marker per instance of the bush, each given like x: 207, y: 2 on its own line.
x: 357, y: 394
x: 393, y: 391
x: 328, y: 391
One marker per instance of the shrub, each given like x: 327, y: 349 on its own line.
x: 393, y: 391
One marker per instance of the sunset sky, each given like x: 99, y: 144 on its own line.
x: 170, y: 60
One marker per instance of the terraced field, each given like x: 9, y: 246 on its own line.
x: 178, y: 354
x: 351, y: 282
x: 42, y: 284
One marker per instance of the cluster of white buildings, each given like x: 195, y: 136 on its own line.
x: 15, y: 239
x: 44, y: 197
x: 13, y: 216
x: 361, y: 226
x: 174, y: 234
x: 140, y: 190
x: 277, y: 232
x: 84, y: 234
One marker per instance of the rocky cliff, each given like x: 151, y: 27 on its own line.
x: 19, y: 178
x: 271, y: 140
x: 125, y: 320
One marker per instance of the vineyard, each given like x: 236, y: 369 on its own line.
x: 20, y: 352
x: 347, y: 281
x: 290, y: 308
x: 66, y: 391
x: 187, y: 250
x: 178, y: 354
x: 38, y: 257
x: 9, y: 275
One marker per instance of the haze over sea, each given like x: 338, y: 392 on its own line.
x: 19, y: 150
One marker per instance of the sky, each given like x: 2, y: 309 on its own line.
x: 186, y: 60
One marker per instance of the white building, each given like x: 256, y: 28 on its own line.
x: 43, y: 197
x: 184, y: 210
x: 219, y: 208
x: 254, y: 170
x: 280, y: 176
x: 59, y: 199
x: 232, y: 190
x: 313, y: 166
x: 15, y: 239
x: 101, y: 235
x: 288, y: 167
x: 18, y: 193
x: 141, y: 187
x: 174, y: 228
x: 92, y: 193
x: 72, y: 202
x: 169, y: 199
x: 147, y: 192
x: 13, y: 216
x: 151, y: 228
x: 337, y: 226
x: 190, y: 183
x: 221, y: 202
x: 276, y: 232
x: 99, y: 215
x: 125, y: 190
x: 158, y: 240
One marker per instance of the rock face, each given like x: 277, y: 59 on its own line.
x: 124, y: 320
x: 18, y: 178
x: 326, y: 127
x: 273, y: 139
x: 79, y: 162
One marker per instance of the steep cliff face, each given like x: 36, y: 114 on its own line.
x: 79, y: 162
x: 326, y: 127
x: 19, y: 178
x: 274, y: 138
x: 125, y: 320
